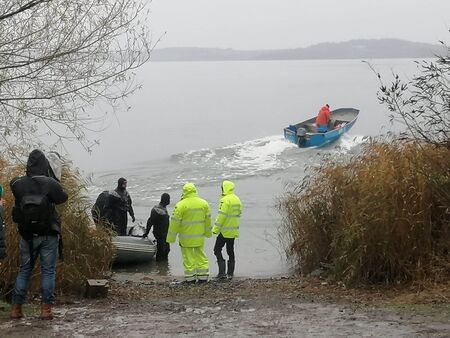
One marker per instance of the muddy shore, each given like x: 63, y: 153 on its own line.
x: 286, y: 307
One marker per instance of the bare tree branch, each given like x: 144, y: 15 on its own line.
x: 61, y: 58
x: 423, y: 103
x: 22, y: 8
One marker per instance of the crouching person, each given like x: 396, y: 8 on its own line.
x: 36, y: 195
x: 191, y: 221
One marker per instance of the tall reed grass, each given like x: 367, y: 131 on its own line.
x: 87, y: 250
x: 380, y: 216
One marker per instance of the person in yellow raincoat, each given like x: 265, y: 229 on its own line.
x: 191, y: 221
x: 227, y: 228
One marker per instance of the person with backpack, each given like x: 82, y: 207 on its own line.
x: 36, y: 195
x: 2, y: 228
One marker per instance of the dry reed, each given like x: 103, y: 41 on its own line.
x: 381, y: 216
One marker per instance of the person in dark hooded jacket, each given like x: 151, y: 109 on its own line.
x: 99, y: 210
x: 2, y: 235
x: 120, y: 205
x: 2, y: 228
x: 159, y: 219
x: 40, y: 184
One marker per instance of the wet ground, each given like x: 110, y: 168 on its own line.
x: 286, y: 307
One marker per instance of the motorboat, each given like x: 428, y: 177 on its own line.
x: 305, y: 134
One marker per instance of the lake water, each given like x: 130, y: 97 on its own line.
x: 203, y: 122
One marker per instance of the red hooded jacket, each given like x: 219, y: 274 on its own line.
x: 324, y: 116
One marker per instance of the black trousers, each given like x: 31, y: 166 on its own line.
x: 220, y: 242
x: 120, y: 223
x: 162, y: 249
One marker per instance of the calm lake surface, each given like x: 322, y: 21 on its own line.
x: 204, y: 122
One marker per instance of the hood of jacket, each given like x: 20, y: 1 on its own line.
x: 120, y: 183
x: 165, y: 200
x: 325, y: 109
x: 189, y: 190
x: 37, y: 164
x: 227, y: 188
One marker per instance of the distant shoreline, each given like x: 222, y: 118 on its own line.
x: 329, y: 59
x: 349, y: 50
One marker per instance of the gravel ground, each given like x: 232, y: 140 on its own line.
x: 287, y: 307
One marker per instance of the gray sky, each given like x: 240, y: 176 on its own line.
x: 272, y: 24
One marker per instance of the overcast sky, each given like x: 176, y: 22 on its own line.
x: 272, y: 24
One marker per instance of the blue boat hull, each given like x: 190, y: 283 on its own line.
x: 304, y: 134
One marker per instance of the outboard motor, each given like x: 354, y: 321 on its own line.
x: 301, y: 133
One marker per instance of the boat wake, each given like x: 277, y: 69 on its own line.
x: 256, y: 157
x: 260, y: 157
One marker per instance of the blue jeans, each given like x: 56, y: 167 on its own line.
x: 46, y: 247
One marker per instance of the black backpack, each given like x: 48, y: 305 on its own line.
x: 35, y: 215
x: 36, y: 212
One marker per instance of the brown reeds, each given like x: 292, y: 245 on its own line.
x: 381, y: 216
x: 87, y: 250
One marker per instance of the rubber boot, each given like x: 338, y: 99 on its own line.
x: 16, y: 311
x: 46, y: 312
x: 230, y: 271
x: 221, y: 274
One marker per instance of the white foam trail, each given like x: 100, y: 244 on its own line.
x: 263, y: 156
x: 260, y: 154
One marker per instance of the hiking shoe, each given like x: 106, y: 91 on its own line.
x: 16, y: 311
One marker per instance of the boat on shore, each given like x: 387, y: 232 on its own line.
x: 304, y: 134
x: 133, y: 249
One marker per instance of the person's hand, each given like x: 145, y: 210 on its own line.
x: 133, y: 219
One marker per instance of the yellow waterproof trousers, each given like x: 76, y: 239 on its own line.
x: 195, y: 263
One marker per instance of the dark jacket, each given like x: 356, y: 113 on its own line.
x: 2, y: 235
x: 37, y: 181
x: 119, y: 204
x: 159, y: 219
x: 100, y: 211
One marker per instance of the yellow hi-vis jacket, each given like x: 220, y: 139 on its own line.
x: 191, y: 219
x: 230, y: 209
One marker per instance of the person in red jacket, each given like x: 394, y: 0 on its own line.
x: 323, y: 119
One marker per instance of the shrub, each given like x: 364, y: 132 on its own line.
x: 380, y: 216
x: 87, y: 249
x: 422, y: 104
